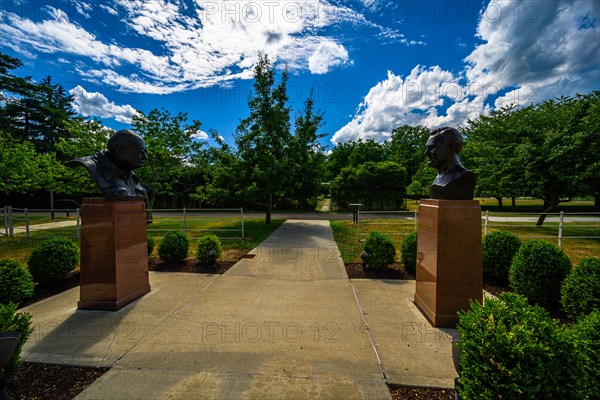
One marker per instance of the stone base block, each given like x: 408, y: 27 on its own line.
x: 449, y: 261
x: 114, y: 253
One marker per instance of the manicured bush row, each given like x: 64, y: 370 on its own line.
x: 409, y: 252
x: 586, y: 337
x: 513, y: 350
x: 53, y: 259
x: 209, y: 249
x: 580, y: 291
x: 16, y: 283
x: 498, y: 250
x: 174, y: 246
x: 380, y: 249
x: 537, y: 271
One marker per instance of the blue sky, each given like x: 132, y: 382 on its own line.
x: 373, y: 64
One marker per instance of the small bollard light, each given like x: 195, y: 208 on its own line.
x: 365, y: 257
x: 8, y: 344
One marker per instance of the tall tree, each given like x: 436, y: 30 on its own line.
x: 173, y: 154
x: 263, y: 138
x: 407, y: 147
x: 306, y: 157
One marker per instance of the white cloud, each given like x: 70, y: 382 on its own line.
x: 532, y: 51
x: 327, y: 56
x: 96, y: 104
x: 200, y: 135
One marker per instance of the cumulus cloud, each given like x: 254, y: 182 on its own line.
x: 203, y: 43
x: 200, y: 135
x: 327, y: 56
x: 97, y: 105
x: 532, y: 51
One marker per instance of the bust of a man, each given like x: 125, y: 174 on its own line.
x: 453, y: 182
x: 112, y: 169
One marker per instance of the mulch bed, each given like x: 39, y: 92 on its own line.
x: 47, y: 381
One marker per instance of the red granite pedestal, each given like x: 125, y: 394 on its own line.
x: 449, y: 260
x: 114, y: 255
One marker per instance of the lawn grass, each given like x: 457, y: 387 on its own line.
x: 255, y: 230
x: 521, y: 205
x: 345, y: 234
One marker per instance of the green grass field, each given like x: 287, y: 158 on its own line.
x: 345, y: 233
x: 255, y: 231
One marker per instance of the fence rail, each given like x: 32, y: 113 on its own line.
x: 67, y: 222
x: 561, y: 226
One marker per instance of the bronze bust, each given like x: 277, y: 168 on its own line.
x: 112, y: 169
x: 454, y: 181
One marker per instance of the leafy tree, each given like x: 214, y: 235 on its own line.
x: 549, y: 151
x: 354, y: 154
x: 421, y: 181
x: 263, y: 138
x: 377, y: 185
x: 306, y: 157
x: 407, y: 147
x: 173, y: 153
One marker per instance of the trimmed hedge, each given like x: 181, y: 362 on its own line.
x: 381, y: 250
x: 150, y: 244
x: 537, y: 271
x: 53, y: 259
x: 13, y: 321
x: 16, y: 283
x: 586, y: 335
x: 498, y: 250
x: 209, y: 249
x: 580, y: 291
x: 513, y: 350
x: 409, y: 252
x: 174, y: 246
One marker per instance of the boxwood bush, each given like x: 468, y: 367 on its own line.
x: 580, y: 291
x: 381, y: 250
x: 209, y: 249
x: 513, y: 350
x: 13, y: 321
x: 16, y: 283
x: 53, y: 259
x: 409, y: 252
x: 586, y: 335
x: 498, y: 251
x: 150, y: 243
x: 174, y: 246
x: 537, y: 271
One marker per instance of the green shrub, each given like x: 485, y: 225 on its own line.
x: 498, y: 251
x: 409, y: 252
x: 208, y: 250
x: 173, y: 246
x: 586, y: 336
x: 13, y: 321
x: 16, y: 283
x: 381, y: 250
x: 513, y: 350
x: 53, y: 259
x: 580, y: 291
x: 537, y: 271
x: 150, y: 243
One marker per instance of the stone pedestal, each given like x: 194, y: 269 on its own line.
x: 114, y: 253
x: 449, y: 260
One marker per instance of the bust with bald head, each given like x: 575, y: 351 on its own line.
x: 454, y: 181
x: 112, y: 169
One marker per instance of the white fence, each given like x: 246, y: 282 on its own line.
x: 67, y: 223
x: 562, y: 225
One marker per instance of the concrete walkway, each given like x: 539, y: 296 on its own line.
x: 286, y: 324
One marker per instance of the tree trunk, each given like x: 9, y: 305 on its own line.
x: 269, y: 207
x: 499, y: 202
x: 514, y: 202
x: 549, y: 206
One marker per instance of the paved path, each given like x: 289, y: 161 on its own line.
x: 286, y: 324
